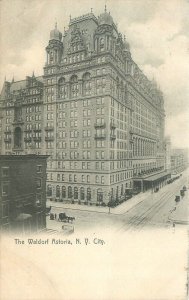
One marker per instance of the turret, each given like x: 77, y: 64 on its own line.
x: 104, y: 40
x: 55, y: 47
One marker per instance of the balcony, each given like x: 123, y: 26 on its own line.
x: 17, y: 148
x: 112, y: 136
x: 112, y: 126
x: 7, y: 140
x: 37, y: 139
x: 7, y: 131
x: 27, y: 139
x: 36, y: 129
x: 100, y: 125
x: 28, y: 130
x: 101, y: 136
x: 131, y: 131
x: 131, y: 140
x: 18, y: 121
x: 49, y: 138
x: 49, y: 128
x: 152, y: 171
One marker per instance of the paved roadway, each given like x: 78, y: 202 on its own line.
x: 153, y: 212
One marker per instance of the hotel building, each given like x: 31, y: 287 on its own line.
x: 93, y: 112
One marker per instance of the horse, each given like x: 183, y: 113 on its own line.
x: 71, y: 219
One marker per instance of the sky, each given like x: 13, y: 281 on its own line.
x: 158, y: 33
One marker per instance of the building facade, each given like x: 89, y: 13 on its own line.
x: 167, y: 145
x: 179, y: 161
x: 23, y: 192
x: 93, y: 112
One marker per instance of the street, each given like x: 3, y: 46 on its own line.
x: 155, y: 210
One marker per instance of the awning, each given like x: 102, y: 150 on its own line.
x: 156, y: 176
x: 22, y: 217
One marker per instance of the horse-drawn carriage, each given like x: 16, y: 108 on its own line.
x: 64, y: 218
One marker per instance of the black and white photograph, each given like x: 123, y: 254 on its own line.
x: 94, y: 149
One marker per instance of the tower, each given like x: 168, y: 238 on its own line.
x: 55, y: 47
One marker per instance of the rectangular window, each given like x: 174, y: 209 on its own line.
x: 5, y: 188
x: 39, y: 169
x: 5, y: 171
x: 39, y: 183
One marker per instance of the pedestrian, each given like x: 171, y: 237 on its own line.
x: 55, y: 216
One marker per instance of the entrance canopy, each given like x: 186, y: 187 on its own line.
x: 157, y: 176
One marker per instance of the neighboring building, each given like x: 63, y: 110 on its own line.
x: 94, y: 112
x: 179, y: 161
x: 168, y: 154
x: 23, y: 192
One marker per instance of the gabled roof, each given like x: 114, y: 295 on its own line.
x: 17, y: 85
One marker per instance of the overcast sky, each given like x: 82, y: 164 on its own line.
x: 157, y: 30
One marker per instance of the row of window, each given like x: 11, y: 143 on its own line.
x: 36, y: 145
x: 36, y: 108
x: 73, y: 193
x: 74, y: 104
x: 77, y: 178
x: 32, y: 118
x: 120, y: 176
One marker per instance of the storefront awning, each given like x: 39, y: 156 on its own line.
x: 156, y: 176
x: 22, y: 217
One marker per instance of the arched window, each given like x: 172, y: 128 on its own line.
x: 69, y: 192
x: 75, y: 193
x: 102, y: 46
x: 62, y: 89
x: 49, y: 190
x: 122, y: 189
x: 63, y: 192
x: 82, y: 193
x: 88, y: 194
x: 87, y: 84
x: 58, y: 191
x: 74, y: 86
x: 17, y: 137
x: 117, y: 192
x: 99, y: 195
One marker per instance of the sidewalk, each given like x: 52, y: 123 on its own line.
x: 119, y: 210
x: 180, y: 215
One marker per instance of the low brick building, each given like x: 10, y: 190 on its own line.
x: 23, y: 192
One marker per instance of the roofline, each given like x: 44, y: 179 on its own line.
x: 27, y: 156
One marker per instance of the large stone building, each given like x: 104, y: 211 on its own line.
x: 93, y: 111
x: 23, y: 192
